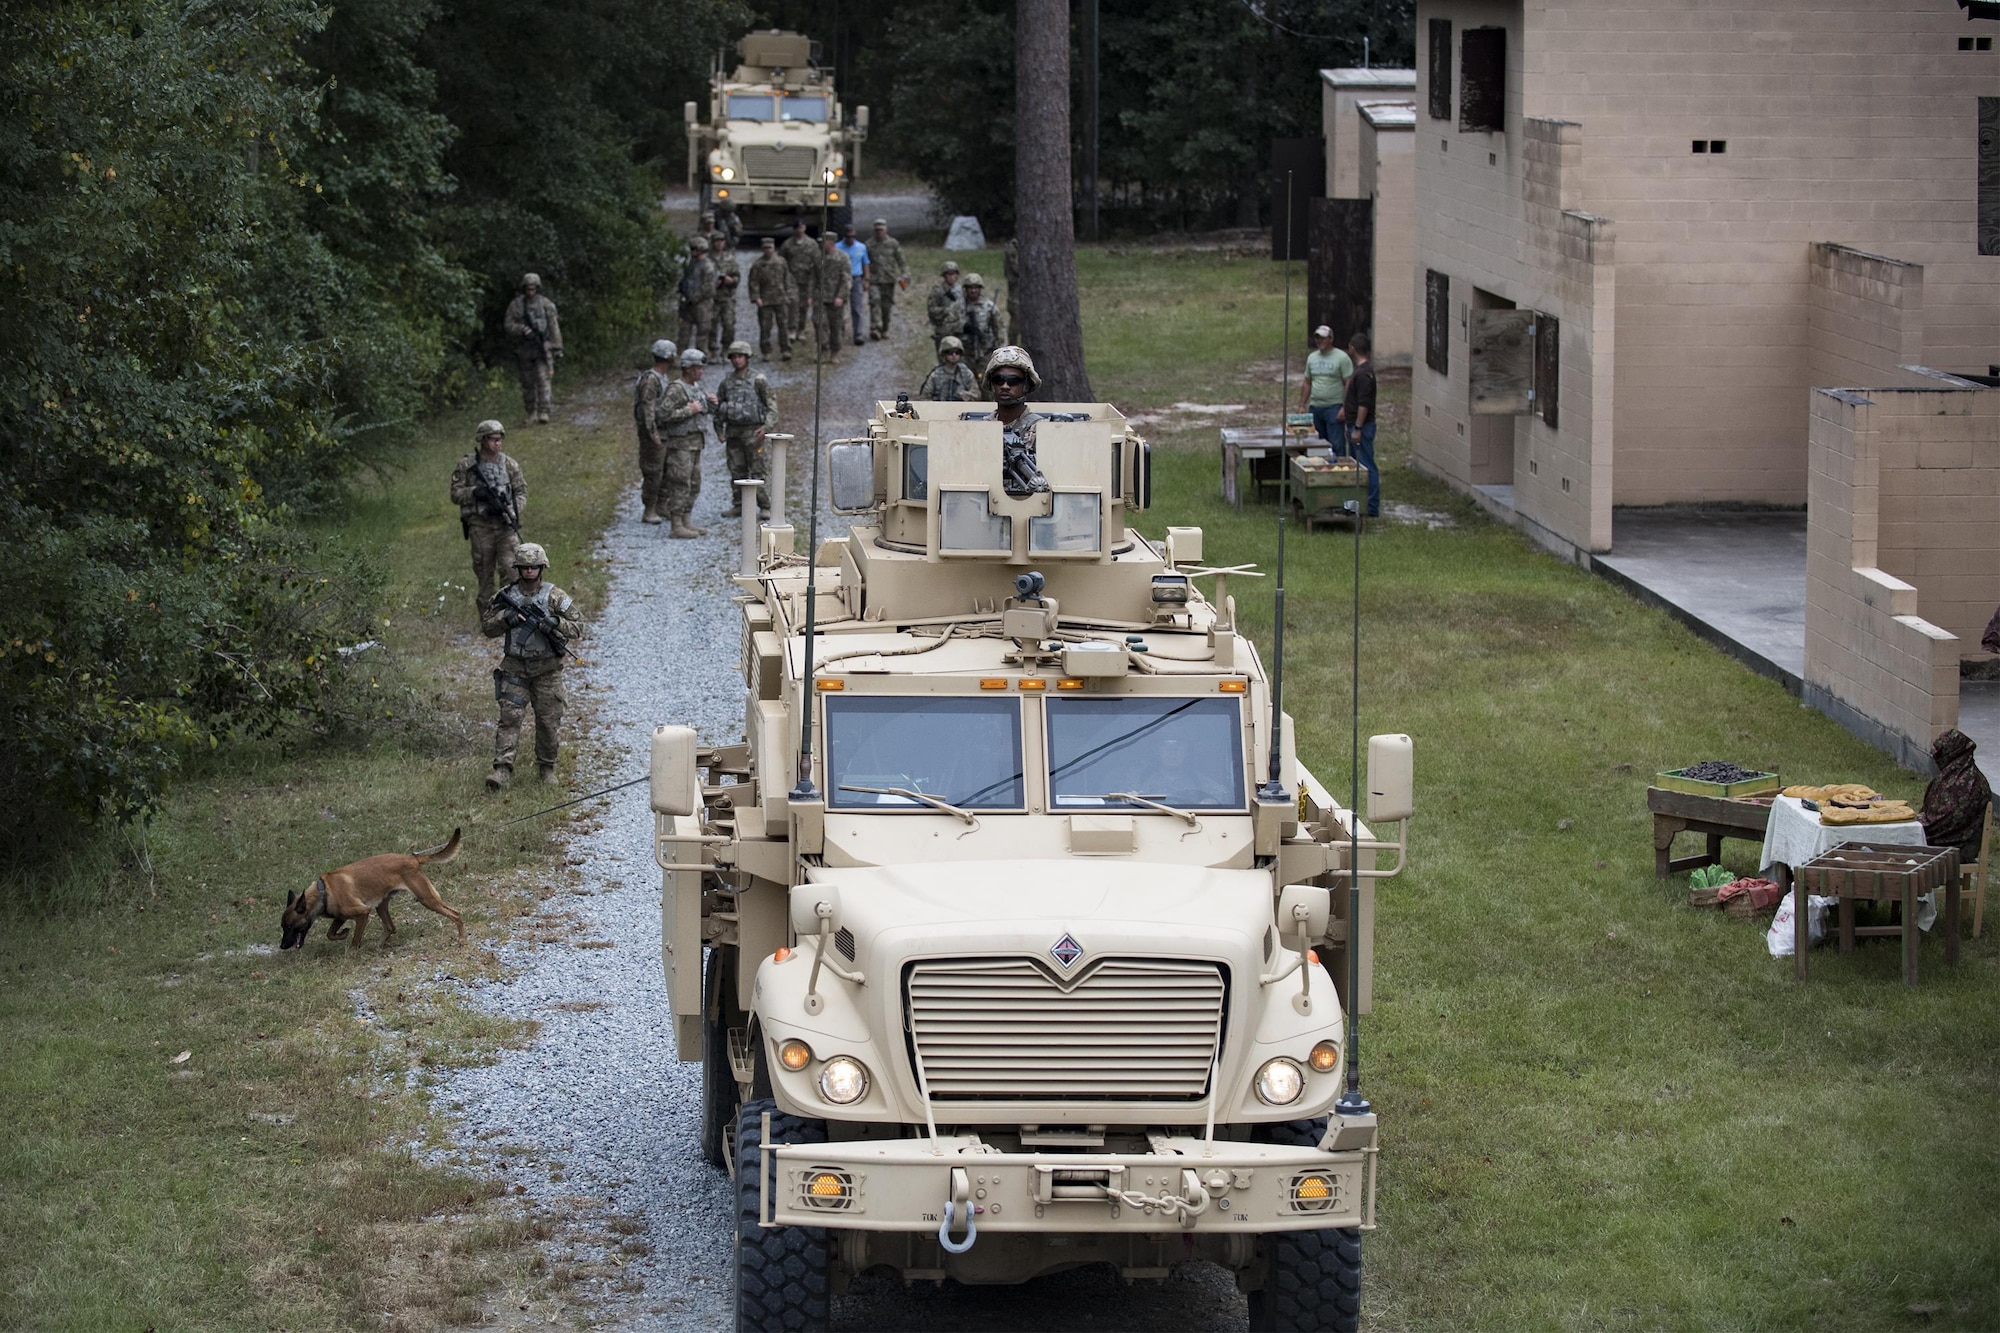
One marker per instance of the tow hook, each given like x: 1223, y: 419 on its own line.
x: 961, y: 1197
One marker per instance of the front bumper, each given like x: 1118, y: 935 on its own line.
x: 1183, y: 1184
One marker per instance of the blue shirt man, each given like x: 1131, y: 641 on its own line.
x: 857, y: 265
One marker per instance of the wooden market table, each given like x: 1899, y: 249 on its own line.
x: 1858, y: 872
x: 1266, y: 449
x: 1716, y: 817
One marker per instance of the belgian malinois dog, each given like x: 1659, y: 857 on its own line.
x: 348, y: 895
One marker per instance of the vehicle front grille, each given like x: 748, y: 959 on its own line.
x: 765, y: 165
x: 1004, y: 1029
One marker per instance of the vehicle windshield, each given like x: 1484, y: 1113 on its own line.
x: 966, y: 751
x: 752, y: 106
x: 1187, y: 753
x: 804, y: 108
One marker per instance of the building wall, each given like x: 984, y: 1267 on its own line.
x: 1388, y: 176
x: 1939, y: 512
x: 1340, y: 91
x: 1865, y: 321
x: 1872, y: 660
x: 1845, y: 121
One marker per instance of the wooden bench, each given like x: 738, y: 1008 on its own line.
x: 1716, y: 817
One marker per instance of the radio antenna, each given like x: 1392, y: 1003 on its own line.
x: 1274, y: 786
x: 803, y: 789
x: 1351, y: 1101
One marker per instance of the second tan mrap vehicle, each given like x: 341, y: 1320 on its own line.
x: 1017, y: 969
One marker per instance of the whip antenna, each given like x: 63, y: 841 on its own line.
x: 1351, y: 1101
x: 804, y: 790
x: 1274, y: 787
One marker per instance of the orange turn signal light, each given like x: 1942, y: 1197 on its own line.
x: 794, y: 1054
x: 1069, y: 684
x: 1233, y: 686
x: 826, y: 1185
x: 1033, y: 683
x: 992, y: 682
x: 1314, y: 1187
x: 781, y: 955
x: 829, y: 684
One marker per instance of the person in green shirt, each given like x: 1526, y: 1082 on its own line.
x: 1325, y: 387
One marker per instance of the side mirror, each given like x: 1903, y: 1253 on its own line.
x: 1391, y: 779
x: 1183, y: 546
x: 692, y: 115
x: 851, y: 470
x: 806, y: 902
x: 676, y: 783
x: 861, y: 118
x: 1314, y: 902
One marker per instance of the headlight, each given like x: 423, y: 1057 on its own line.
x: 1279, y: 1082
x: 729, y: 173
x: 1324, y: 1057
x: 844, y: 1082
x: 794, y: 1054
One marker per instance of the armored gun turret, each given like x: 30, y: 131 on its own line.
x: 1000, y: 947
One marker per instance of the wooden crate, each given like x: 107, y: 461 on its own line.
x: 1761, y: 784
x: 1858, y: 870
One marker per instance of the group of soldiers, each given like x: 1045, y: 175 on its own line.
x: 676, y: 418
x: 806, y: 280
x: 966, y: 329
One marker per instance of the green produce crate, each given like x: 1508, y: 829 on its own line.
x: 1761, y: 784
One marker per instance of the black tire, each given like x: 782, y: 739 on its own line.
x: 782, y: 1283
x: 718, y: 1081
x: 1312, y: 1279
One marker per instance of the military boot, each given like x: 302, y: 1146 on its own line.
x: 501, y: 775
x: 683, y: 529
x: 545, y: 773
x: 734, y: 511
x: 650, y: 516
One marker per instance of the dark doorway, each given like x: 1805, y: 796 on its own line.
x: 1305, y: 159
x: 1340, y: 267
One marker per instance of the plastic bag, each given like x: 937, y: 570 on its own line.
x: 1778, y: 939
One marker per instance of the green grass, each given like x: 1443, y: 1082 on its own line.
x: 269, y: 1181
x: 1600, y: 1107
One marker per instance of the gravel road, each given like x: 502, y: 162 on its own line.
x: 597, y: 1117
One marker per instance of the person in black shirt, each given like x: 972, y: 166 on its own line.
x: 1358, y: 418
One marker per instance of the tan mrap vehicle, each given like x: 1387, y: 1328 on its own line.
x: 1019, y: 969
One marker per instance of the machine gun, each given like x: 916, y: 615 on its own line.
x: 536, y: 618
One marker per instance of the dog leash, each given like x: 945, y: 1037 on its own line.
x: 578, y: 801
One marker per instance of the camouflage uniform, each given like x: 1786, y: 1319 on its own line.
x: 801, y: 256
x: 531, y: 322
x: 772, y: 291
x: 748, y: 409
x: 982, y: 331
x: 529, y: 675
x: 697, y: 289
x: 728, y: 277
x: 887, y: 272
x: 493, y: 535
x: 686, y: 426
x: 946, y: 308
x: 647, y: 395
x: 834, y: 279
x: 949, y: 384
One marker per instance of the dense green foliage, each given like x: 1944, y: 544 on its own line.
x: 243, y: 245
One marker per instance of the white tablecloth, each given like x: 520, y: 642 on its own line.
x: 1795, y: 836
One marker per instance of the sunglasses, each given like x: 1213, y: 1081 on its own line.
x: 1009, y: 380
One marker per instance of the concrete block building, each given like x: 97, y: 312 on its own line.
x: 1646, y: 232
x: 1369, y: 121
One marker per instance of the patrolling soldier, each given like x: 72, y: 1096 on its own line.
x: 888, y: 273
x: 687, y: 423
x: 697, y: 291
x: 801, y: 256
x: 491, y: 496
x: 647, y: 395
x: 536, y: 620
x: 983, y: 331
x: 748, y: 409
x: 950, y: 380
x: 832, y: 282
x: 946, y: 305
x: 531, y: 322
x: 771, y: 294
x: 728, y: 277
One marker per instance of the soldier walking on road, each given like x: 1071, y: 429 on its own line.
x: 748, y: 409
x: 834, y: 280
x: 950, y: 380
x: 536, y: 620
x: 728, y: 277
x: 531, y: 322
x: 801, y: 256
x: 981, y: 321
x: 771, y: 294
x: 687, y: 422
x: 888, y: 273
x: 647, y: 396
x: 491, y: 496
x: 697, y: 291
x: 946, y: 304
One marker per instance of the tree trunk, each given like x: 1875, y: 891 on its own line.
x: 1044, y: 221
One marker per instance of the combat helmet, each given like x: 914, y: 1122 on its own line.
x: 950, y: 266
x: 486, y: 428
x: 694, y: 356
x: 739, y: 348
x: 664, y: 350
x: 972, y: 280
x: 950, y: 343
x: 1018, y: 358
x: 531, y: 553
x: 531, y: 280
x: 698, y: 243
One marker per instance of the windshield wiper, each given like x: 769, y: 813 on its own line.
x: 1152, y: 804
x: 915, y: 795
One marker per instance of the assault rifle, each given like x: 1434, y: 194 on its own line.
x: 536, y: 618
x: 496, y: 503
